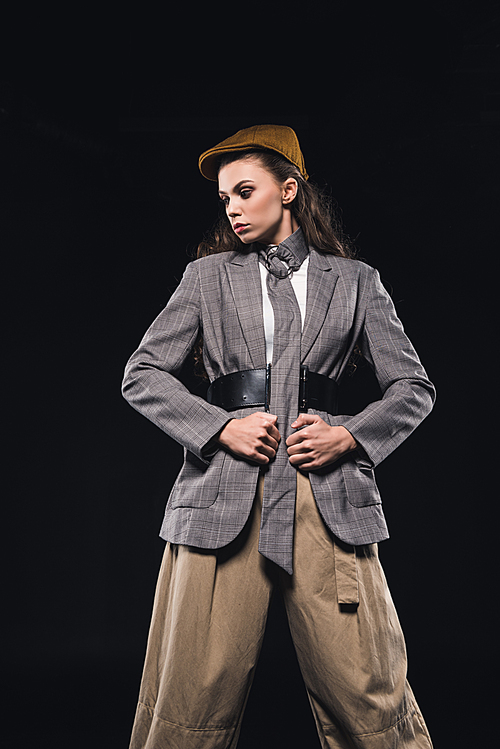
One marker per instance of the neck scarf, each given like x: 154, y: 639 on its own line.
x: 292, y: 251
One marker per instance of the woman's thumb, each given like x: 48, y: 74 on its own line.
x: 302, y: 420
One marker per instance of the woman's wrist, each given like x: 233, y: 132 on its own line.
x: 348, y: 440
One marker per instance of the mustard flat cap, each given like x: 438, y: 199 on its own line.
x: 279, y: 138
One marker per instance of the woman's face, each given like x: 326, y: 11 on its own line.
x: 257, y: 207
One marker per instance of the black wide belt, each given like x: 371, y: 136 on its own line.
x: 252, y: 387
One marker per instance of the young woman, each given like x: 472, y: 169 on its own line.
x: 277, y: 489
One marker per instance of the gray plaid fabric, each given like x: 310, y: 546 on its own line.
x: 221, y: 295
x: 278, y: 507
x: 293, y: 251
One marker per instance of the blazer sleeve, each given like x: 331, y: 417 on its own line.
x: 408, y: 395
x: 150, y: 382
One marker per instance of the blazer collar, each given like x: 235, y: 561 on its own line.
x: 321, y: 281
x: 244, y: 279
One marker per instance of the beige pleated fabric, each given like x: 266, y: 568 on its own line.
x: 208, y: 625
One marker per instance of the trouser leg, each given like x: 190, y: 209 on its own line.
x: 352, y: 656
x: 206, y: 633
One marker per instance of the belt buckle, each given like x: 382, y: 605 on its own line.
x: 304, y: 374
x: 267, y: 394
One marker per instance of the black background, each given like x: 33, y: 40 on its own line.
x: 103, y: 116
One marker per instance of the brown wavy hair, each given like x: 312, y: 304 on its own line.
x: 313, y: 209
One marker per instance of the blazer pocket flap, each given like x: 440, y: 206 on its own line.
x: 197, y: 484
x: 360, y: 483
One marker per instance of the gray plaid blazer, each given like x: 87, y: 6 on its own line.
x: 221, y: 296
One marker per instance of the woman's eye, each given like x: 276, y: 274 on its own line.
x: 244, y: 195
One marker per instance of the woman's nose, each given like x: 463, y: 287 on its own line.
x: 233, y: 209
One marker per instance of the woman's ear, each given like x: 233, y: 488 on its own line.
x: 289, y: 190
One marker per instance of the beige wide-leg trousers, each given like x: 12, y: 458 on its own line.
x: 208, y: 625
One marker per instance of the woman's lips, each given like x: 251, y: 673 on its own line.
x: 238, y: 228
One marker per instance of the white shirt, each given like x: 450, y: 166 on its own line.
x: 298, y: 280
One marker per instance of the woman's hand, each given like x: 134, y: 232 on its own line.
x: 254, y: 437
x: 317, y: 444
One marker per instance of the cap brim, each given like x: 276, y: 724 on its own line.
x: 209, y: 161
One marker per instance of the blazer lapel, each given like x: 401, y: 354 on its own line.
x: 244, y: 279
x: 321, y: 282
